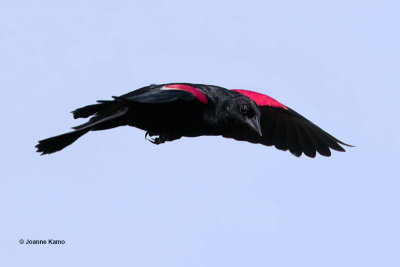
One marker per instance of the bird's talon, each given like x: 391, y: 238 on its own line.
x: 157, y: 140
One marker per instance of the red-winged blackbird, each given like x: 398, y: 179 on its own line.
x: 169, y: 111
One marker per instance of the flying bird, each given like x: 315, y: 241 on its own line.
x: 168, y: 112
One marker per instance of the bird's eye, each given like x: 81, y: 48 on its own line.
x: 244, y: 109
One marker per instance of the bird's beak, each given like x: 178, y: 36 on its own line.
x: 254, y: 125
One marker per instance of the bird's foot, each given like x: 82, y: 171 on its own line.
x: 154, y: 138
x: 159, y: 138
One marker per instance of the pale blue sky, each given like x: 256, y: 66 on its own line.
x: 116, y: 199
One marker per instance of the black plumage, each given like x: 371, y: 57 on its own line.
x: 170, y: 111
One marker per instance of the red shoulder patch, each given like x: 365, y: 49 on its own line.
x: 260, y: 99
x: 183, y: 87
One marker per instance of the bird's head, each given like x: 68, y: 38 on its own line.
x: 241, y: 111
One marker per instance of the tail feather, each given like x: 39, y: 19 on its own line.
x: 56, y: 143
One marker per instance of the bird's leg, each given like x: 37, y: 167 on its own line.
x: 161, y: 137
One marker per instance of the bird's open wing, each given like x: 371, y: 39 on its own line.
x: 286, y: 129
x: 156, y: 94
x: 165, y: 94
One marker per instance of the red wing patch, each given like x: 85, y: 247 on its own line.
x: 260, y: 99
x: 183, y: 87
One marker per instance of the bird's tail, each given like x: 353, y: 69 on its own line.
x: 98, y: 122
x: 56, y: 143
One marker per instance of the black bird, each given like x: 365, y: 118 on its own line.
x: 170, y: 111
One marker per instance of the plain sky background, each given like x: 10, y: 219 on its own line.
x: 118, y: 200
